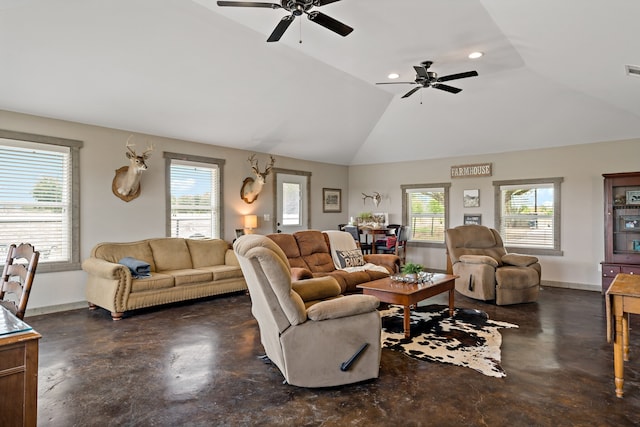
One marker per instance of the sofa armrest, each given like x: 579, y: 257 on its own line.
x: 105, y: 269
x: 479, y: 259
x: 299, y: 273
x: 519, y: 260
x: 350, y: 305
x: 390, y: 262
x: 230, y: 258
x: 317, y: 288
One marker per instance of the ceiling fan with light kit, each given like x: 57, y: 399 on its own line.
x: 296, y: 8
x: 426, y: 78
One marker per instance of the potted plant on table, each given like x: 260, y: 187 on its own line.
x: 412, y: 270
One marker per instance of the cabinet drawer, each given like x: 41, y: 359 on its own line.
x: 630, y: 270
x: 610, y: 270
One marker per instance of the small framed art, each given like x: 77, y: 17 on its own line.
x: 471, y: 198
x: 331, y: 200
x: 472, y: 219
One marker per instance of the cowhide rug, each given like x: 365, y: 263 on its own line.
x: 467, y: 339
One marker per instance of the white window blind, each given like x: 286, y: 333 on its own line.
x: 527, y: 215
x: 195, y: 199
x: 426, y: 214
x: 291, y: 203
x: 36, y: 198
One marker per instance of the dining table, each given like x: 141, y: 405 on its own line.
x: 373, y: 231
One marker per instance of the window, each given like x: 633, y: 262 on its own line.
x: 529, y: 215
x: 39, y: 197
x: 291, y: 206
x: 425, y: 209
x: 194, y: 185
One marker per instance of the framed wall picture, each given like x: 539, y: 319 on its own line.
x: 633, y: 197
x: 331, y: 200
x: 471, y: 198
x: 239, y: 232
x: 475, y: 219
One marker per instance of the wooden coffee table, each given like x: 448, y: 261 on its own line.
x: 405, y: 294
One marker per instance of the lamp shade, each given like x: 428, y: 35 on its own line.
x: 250, y: 221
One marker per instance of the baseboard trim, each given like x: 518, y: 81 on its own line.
x: 56, y: 308
x: 570, y: 285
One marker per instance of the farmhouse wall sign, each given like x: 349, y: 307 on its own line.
x: 463, y: 171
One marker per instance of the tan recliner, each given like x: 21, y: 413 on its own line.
x: 486, y: 271
x: 316, y: 337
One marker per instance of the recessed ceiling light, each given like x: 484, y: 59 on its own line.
x: 475, y: 55
x: 393, y: 75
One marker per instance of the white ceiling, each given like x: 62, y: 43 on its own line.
x: 553, y: 74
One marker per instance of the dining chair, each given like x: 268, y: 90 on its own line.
x: 17, y: 278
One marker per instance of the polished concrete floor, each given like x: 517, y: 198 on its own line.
x: 196, y: 364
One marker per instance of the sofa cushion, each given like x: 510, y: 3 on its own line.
x: 189, y: 276
x: 114, y: 252
x: 170, y: 254
x: 289, y: 246
x: 156, y: 281
x: 311, y: 242
x: 221, y: 272
x: 207, y: 252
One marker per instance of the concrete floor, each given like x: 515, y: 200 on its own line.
x: 196, y: 364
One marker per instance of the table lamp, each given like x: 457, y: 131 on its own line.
x: 250, y: 222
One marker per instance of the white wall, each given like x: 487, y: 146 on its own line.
x: 582, y: 223
x: 104, y: 217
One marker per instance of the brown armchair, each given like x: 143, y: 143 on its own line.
x: 486, y: 271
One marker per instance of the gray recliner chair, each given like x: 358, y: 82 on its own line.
x: 486, y: 271
x: 315, y: 336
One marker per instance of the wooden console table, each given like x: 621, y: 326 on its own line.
x: 18, y: 371
x: 622, y: 299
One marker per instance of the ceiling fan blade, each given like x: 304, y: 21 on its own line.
x: 446, y: 88
x: 457, y: 76
x: 421, y: 71
x: 411, y: 92
x: 396, y: 83
x: 249, y: 4
x: 329, y: 23
x: 323, y: 2
x: 281, y: 28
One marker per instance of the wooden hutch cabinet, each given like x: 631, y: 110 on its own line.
x: 621, y: 226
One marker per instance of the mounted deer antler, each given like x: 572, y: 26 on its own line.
x: 126, y: 183
x: 376, y: 198
x: 251, y: 188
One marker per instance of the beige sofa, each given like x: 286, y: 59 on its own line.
x: 181, y: 269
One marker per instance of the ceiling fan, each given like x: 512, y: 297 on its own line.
x: 426, y: 78
x: 296, y: 8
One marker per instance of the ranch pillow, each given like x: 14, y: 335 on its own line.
x: 351, y: 258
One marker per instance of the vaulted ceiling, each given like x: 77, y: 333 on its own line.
x: 552, y: 74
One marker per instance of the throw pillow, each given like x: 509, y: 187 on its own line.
x: 351, y: 258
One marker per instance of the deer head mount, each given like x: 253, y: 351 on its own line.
x: 126, y: 183
x: 376, y: 198
x: 251, y: 187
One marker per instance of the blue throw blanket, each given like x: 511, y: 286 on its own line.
x: 139, y: 269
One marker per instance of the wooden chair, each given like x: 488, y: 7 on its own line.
x: 18, y: 278
x: 399, y: 247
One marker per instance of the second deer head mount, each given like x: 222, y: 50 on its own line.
x: 251, y: 187
x: 376, y: 198
x: 126, y: 183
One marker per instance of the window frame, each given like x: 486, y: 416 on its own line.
x: 405, y: 210
x: 557, y: 244
x: 74, y: 229
x: 169, y: 157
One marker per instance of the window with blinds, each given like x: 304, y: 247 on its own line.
x: 195, y: 199
x: 426, y: 213
x: 529, y: 214
x: 36, y: 200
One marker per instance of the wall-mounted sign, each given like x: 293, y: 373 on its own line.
x: 463, y: 171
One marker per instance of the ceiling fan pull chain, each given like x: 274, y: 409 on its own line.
x: 300, y: 22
